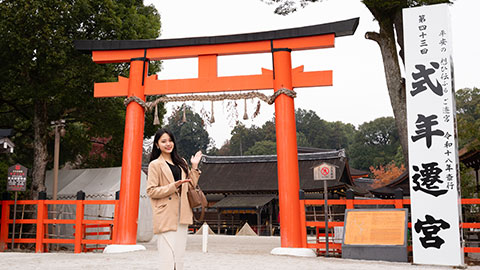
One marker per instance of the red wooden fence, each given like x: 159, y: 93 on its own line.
x: 42, y: 221
x: 81, y: 224
x: 350, y: 204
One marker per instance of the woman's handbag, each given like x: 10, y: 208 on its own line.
x: 196, y: 198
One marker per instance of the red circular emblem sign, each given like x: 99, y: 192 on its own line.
x: 325, y: 171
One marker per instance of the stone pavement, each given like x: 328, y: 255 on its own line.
x: 224, y: 252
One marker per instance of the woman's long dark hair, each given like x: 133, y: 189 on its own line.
x: 156, y: 152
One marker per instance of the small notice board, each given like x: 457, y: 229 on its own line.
x: 375, y: 234
x: 17, y: 178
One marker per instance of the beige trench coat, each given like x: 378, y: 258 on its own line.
x: 164, y: 197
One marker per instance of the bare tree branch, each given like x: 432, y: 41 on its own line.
x: 373, y: 36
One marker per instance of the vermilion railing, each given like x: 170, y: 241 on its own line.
x: 41, y: 240
x: 350, y: 204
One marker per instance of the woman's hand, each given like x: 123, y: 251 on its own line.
x: 180, y: 182
x: 196, y: 159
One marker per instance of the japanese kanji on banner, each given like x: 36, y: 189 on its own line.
x: 432, y: 141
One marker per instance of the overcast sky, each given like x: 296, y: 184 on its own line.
x: 359, y: 92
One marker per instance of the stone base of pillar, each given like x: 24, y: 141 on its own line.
x: 297, y: 252
x: 123, y: 248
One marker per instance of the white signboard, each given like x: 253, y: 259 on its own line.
x: 432, y: 141
x: 324, y: 171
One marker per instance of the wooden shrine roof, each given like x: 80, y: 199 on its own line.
x: 470, y: 157
x: 258, y: 174
x: 388, y: 191
x: 6, y: 146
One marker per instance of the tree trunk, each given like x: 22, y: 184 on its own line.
x: 395, y: 83
x: 40, y: 153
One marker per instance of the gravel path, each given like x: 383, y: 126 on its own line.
x: 224, y: 252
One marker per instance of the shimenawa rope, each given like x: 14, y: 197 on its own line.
x: 250, y: 95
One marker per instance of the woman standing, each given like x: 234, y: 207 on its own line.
x: 168, y: 179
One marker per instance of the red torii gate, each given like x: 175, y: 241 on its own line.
x: 280, y: 43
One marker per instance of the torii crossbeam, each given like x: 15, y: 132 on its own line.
x: 280, y: 43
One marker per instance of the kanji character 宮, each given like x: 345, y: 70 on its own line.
x: 430, y: 227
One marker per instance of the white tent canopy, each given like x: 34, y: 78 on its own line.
x: 98, y: 184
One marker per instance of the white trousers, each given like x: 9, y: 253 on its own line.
x: 171, y: 248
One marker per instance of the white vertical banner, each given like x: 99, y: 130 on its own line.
x: 432, y: 137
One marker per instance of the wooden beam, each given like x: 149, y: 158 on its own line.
x: 207, y: 82
x: 111, y: 89
x: 265, y: 46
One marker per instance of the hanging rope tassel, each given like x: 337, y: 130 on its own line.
x: 245, y: 115
x: 257, y: 110
x: 184, y: 113
x: 156, y: 120
x: 212, y: 119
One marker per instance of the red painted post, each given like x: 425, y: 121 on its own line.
x: 350, y: 204
x: 78, y: 226
x: 45, y: 227
x: 398, y: 203
x: 115, y: 224
x: 132, y: 157
x: 287, y: 155
x: 398, y: 198
x: 303, y: 223
x: 40, y: 226
x: 4, y: 226
x: 350, y: 197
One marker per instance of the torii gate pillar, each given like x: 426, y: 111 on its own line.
x: 132, y: 156
x: 287, y: 156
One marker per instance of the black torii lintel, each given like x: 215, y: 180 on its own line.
x: 339, y: 28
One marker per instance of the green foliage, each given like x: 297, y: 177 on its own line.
x: 41, y: 67
x: 4, y: 164
x: 302, y: 140
x: 243, y: 138
x: 468, y: 126
x: 190, y: 134
x: 468, y: 185
x: 309, y: 124
x: 311, y: 132
x: 468, y: 117
x: 322, y: 134
x: 268, y: 131
x: 341, y: 135
x: 262, y: 148
x: 376, y: 143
